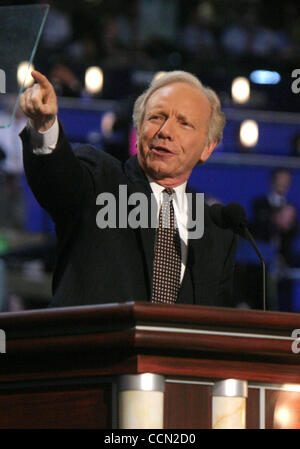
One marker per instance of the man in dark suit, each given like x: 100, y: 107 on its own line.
x: 178, y: 123
x: 275, y: 218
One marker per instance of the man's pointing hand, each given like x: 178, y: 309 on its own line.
x: 39, y: 102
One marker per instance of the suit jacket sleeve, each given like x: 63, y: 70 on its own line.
x: 56, y: 179
x: 63, y: 179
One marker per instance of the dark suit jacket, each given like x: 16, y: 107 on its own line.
x: 96, y: 266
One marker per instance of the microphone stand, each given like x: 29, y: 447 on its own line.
x: 248, y: 235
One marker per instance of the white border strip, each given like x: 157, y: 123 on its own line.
x: 251, y: 384
x: 208, y: 332
x: 262, y: 407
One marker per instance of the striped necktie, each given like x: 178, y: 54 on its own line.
x: 167, y: 257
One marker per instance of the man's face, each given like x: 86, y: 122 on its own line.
x: 281, y: 183
x: 172, y: 136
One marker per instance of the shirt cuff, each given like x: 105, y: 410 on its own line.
x: 43, y: 142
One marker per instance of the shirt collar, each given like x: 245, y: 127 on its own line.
x: 276, y: 200
x: 179, y: 192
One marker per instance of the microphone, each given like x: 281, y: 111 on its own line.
x: 233, y: 216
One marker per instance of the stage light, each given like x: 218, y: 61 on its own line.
x: 24, y: 74
x: 282, y: 417
x: 93, y: 80
x: 240, y: 90
x: 265, y: 77
x: 249, y: 133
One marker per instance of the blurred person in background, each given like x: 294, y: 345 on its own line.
x: 247, y: 36
x: 275, y: 218
x: 11, y: 194
x: 58, y: 30
x: 275, y: 221
x: 198, y: 37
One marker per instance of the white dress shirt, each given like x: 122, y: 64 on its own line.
x: 44, y: 142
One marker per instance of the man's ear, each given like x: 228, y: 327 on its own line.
x: 206, y: 153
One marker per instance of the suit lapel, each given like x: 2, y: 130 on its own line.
x: 198, y: 255
x: 137, y: 182
x: 199, y: 249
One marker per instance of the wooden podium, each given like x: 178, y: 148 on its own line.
x: 61, y: 365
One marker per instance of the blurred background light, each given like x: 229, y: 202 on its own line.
x: 249, y: 133
x: 265, y: 77
x: 24, y: 74
x: 291, y: 387
x: 282, y: 417
x: 240, y: 90
x: 94, y: 80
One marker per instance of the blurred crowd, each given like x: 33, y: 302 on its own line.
x: 161, y: 35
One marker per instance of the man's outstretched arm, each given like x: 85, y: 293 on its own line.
x: 54, y: 174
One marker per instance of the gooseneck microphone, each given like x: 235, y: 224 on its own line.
x: 233, y: 216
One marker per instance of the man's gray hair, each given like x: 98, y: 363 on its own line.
x: 217, y: 118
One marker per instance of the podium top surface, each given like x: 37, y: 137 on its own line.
x: 126, y: 315
x: 135, y: 337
